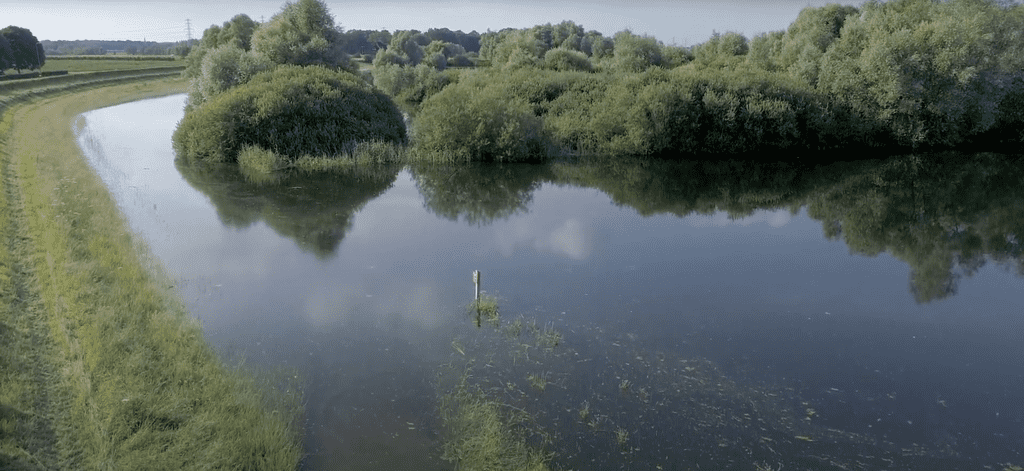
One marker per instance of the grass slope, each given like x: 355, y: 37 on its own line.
x: 101, y: 365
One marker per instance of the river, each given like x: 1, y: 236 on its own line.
x: 726, y: 316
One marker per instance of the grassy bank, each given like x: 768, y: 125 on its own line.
x: 95, y: 63
x: 101, y: 365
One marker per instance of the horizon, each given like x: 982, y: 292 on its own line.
x: 683, y: 23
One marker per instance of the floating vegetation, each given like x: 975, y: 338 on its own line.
x: 548, y: 338
x: 539, y: 382
x: 621, y: 437
x: 486, y: 309
x: 481, y: 433
x: 514, y: 329
x: 661, y: 408
x: 584, y: 411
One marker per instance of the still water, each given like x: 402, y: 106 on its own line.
x: 653, y: 316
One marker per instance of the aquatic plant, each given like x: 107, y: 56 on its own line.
x: 539, y: 382
x: 621, y: 436
x: 584, y: 411
x: 486, y: 308
x: 548, y: 338
x: 484, y: 434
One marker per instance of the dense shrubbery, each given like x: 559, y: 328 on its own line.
x: 465, y: 123
x: 899, y: 74
x: 266, y: 95
x: 292, y: 111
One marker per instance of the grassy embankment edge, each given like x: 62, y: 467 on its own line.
x: 106, y: 369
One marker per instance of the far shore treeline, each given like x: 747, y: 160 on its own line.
x: 891, y: 76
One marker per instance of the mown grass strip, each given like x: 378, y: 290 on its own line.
x: 139, y: 387
x: 27, y: 435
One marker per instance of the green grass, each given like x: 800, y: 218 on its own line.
x: 105, y: 366
x: 482, y: 434
x: 95, y: 65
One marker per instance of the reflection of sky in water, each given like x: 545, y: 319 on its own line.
x: 403, y: 273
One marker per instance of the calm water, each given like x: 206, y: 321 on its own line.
x: 726, y: 316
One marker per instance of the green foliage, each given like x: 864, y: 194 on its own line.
x: 721, y: 50
x: 387, y: 57
x: 6, y: 54
x: 765, y: 49
x: 567, y: 60
x: 929, y: 71
x: 409, y: 45
x: 481, y: 433
x: 303, y: 33
x: 675, y: 56
x: 223, y: 68
x: 410, y: 84
x: 237, y: 32
x: 464, y: 123
x: 635, y: 53
x: 807, y: 39
x: 23, y: 51
x: 292, y: 111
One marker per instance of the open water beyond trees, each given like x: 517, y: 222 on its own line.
x: 652, y: 315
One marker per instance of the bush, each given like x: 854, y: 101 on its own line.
x: 222, y: 68
x: 566, y: 60
x: 291, y: 111
x: 464, y: 123
x: 411, y: 84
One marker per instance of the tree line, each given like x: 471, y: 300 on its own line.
x: 20, y: 50
x: 903, y: 74
x: 97, y: 47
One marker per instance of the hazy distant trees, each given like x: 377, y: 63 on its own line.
x: 20, y: 50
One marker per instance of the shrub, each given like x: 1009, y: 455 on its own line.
x: 566, y: 60
x: 410, y: 83
x: 464, y: 123
x: 290, y: 111
x: 222, y: 68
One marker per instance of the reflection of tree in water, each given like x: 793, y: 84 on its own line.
x: 478, y: 193
x: 313, y: 209
x: 945, y: 215
x: 602, y: 401
x: 682, y: 188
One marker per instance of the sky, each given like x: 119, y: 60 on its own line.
x: 681, y: 22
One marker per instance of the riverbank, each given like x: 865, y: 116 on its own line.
x: 102, y: 367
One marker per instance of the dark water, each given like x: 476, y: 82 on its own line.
x: 711, y: 315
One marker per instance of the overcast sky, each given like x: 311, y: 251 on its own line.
x: 682, y: 22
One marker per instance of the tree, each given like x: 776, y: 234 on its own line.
x: 636, y: 53
x: 237, y: 32
x: 410, y: 44
x: 303, y: 33
x: 24, y: 48
x: 6, y: 55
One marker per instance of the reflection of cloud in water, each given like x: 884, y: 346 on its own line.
x: 569, y: 238
x: 777, y: 218
x: 340, y: 302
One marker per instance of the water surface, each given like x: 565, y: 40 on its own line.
x: 860, y: 316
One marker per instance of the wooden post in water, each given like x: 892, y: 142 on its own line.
x: 476, y: 284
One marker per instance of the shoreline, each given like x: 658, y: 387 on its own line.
x: 107, y: 368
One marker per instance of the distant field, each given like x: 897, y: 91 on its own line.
x: 103, y: 63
